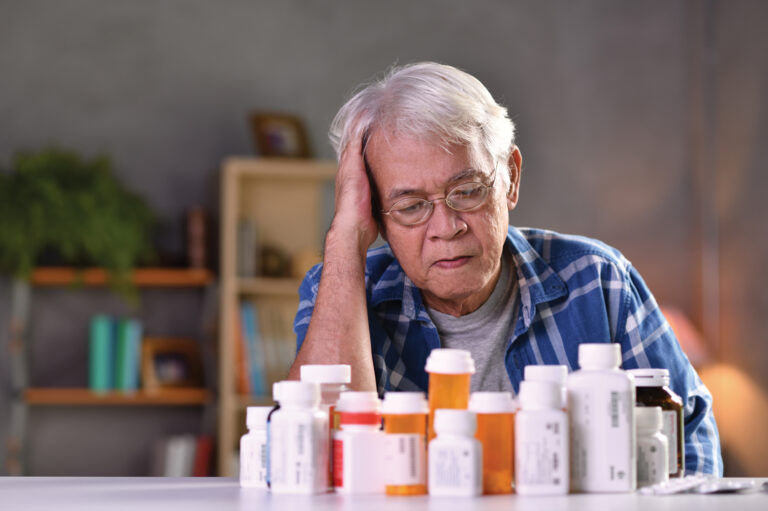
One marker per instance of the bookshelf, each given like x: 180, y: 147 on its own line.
x: 288, y: 202
x: 26, y: 396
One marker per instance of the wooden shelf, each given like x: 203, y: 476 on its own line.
x: 269, y: 286
x: 244, y: 402
x: 146, y: 277
x: 81, y: 396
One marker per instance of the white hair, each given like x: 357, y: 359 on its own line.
x: 430, y: 100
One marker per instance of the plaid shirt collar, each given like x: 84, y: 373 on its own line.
x: 537, y: 281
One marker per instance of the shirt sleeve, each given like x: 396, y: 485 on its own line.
x: 647, y: 340
x: 307, y: 298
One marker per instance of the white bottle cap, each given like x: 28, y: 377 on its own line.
x: 458, y: 422
x: 359, y: 402
x: 650, y: 377
x: 601, y: 355
x: 491, y: 402
x: 256, y: 416
x: 404, y: 403
x: 553, y: 373
x: 539, y: 395
x: 326, y: 373
x: 648, y: 419
x: 296, y: 392
x: 450, y: 361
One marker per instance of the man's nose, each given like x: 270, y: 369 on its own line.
x: 444, y: 223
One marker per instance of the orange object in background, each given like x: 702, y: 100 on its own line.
x: 450, y: 372
x: 405, y: 427
x: 496, y: 433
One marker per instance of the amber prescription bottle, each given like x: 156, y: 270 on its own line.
x: 652, y: 389
x: 405, y: 444
x: 450, y: 371
x: 495, y: 431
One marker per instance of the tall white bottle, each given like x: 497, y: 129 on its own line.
x: 298, y: 449
x: 601, y: 408
x: 541, y: 440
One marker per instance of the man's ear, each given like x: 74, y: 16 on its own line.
x: 515, y: 168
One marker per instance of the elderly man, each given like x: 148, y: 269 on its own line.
x: 427, y: 160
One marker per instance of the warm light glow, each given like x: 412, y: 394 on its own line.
x: 693, y: 344
x: 741, y: 411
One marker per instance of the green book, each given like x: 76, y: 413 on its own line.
x: 101, y: 349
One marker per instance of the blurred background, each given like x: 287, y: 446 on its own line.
x: 639, y: 124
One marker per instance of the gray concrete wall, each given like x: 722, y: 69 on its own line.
x: 600, y: 91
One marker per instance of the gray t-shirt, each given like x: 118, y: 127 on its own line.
x: 486, y: 331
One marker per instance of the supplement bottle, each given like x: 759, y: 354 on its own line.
x: 601, y: 415
x: 450, y: 371
x: 557, y: 374
x: 298, y: 449
x: 253, y: 448
x: 541, y: 440
x: 357, y: 467
x: 652, y: 450
x: 405, y: 444
x: 652, y: 389
x: 333, y: 380
x: 496, y: 433
x: 455, y: 455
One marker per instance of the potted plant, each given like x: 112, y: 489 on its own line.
x: 57, y: 207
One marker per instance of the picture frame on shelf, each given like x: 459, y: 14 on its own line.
x: 170, y: 363
x: 279, y: 135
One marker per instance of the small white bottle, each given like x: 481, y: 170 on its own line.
x: 557, y: 374
x: 601, y: 413
x: 298, y: 450
x: 357, y: 445
x: 253, y: 448
x: 541, y: 440
x: 455, y: 455
x: 652, y: 448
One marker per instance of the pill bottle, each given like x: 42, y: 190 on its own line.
x: 652, y: 449
x: 333, y: 380
x: 357, y: 444
x: 450, y: 371
x: 495, y: 431
x: 405, y: 444
x: 652, y: 389
x: 455, y: 455
x: 555, y: 373
x: 541, y: 440
x: 253, y: 448
x: 298, y: 449
x: 601, y: 416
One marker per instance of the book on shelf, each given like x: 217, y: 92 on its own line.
x: 185, y: 455
x: 114, y: 354
x: 253, y: 344
x: 247, y: 248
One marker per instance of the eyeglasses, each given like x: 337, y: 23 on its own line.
x: 464, y: 197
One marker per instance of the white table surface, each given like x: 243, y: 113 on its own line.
x: 223, y: 494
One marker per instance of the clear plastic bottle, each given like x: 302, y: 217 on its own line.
x: 357, y: 445
x: 455, y: 455
x: 557, y: 374
x: 450, y: 372
x: 496, y: 433
x: 253, y: 448
x: 405, y: 444
x: 652, y: 389
x: 601, y: 413
x: 541, y: 440
x: 333, y: 380
x: 652, y: 449
x: 298, y: 450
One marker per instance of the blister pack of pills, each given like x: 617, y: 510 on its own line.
x: 699, y: 483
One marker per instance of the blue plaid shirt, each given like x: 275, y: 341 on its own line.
x: 572, y: 290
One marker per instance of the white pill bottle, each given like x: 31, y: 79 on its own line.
x: 601, y: 413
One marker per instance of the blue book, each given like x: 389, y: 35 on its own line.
x: 254, y: 349
x: 101, y: 351
x: 127, y: 356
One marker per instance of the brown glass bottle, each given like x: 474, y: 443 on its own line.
x: 652, y: 389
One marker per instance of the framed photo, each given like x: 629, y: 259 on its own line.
x: 279, y: 135
x: 168, y: 363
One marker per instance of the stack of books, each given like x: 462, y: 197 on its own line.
x: 114, y: 354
